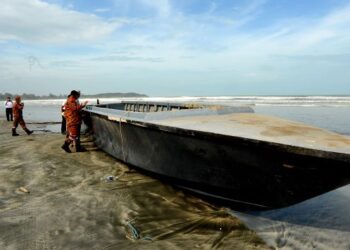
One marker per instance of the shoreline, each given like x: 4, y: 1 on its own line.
x: 72, y: 204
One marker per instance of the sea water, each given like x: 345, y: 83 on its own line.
x: 329, y: 112
x: 322, y: 222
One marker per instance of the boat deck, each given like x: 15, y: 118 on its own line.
x: 265, y: 128
x: 238, y: 121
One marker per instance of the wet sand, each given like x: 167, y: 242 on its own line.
x: 72, y: 205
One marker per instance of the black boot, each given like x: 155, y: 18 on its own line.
x: 79, y: 147
x: 14, y: 132
x: 65, y: 146
x: 29, y: 132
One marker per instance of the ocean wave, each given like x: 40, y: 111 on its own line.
x: 306, y: 101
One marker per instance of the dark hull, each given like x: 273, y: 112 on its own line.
x: 255, y: 173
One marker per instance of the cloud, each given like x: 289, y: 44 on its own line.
x: 127, y: 59
x: 43, y: 23
x: 325, y: 58
x: 253, y: 7
x: 338, y: 17
x: 220, y: 43
x: 102, y: 10
x: 325, y: 35
x: 163, y: 7
x: 143, y: 8
x: 64, y: 64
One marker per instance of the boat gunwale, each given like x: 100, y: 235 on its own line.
x: 298, y: 150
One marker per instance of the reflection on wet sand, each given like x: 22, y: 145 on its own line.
x: 73, y: 204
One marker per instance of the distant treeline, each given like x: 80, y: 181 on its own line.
x: 61, y: 96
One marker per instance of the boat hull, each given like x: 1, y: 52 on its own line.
x: 257, y: 174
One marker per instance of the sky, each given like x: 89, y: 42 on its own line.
x: 175, y: 47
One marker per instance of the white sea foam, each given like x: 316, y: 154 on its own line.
x: 333, y: 101
x: 312, y: 101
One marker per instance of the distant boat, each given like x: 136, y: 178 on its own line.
x: 229, y: 153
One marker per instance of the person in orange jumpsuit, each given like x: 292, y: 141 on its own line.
x: 72, y: 113
x: 18, y: 117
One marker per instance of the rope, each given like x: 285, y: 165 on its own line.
x: 135, y: 233
x: 122, y: 139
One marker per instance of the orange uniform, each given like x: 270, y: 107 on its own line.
x: 18, y: 115
x: 72, y: 113
x: 73, y: 117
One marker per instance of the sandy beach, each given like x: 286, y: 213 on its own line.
x: 71, y: 204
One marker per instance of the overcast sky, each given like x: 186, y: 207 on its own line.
x: 175, y: 48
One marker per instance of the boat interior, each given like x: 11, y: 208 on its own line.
x: 162, y: 110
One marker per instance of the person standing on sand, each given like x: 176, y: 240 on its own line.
x: 18, y: 117
x: 73, y: 119
x: 9, y: 106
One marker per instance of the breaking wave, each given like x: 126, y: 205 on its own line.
x: 306, y: 101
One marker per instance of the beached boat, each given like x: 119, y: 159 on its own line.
x: 229, y: 153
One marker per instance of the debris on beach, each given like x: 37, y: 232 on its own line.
x: 133, y: 233
x: 111, y: 178
x: 24, y: 190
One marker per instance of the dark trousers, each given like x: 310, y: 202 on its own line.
x: 63, y: 125
x: 9, y: 114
